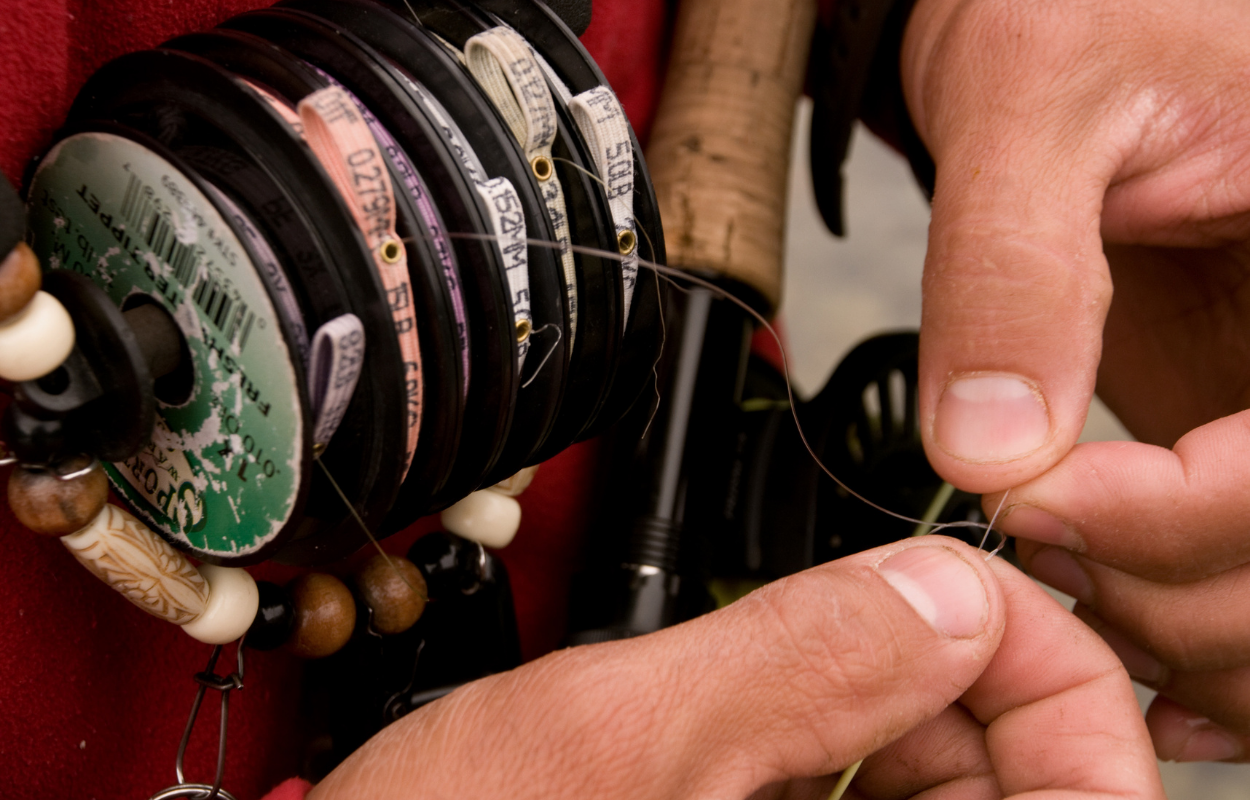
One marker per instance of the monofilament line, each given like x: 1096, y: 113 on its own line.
x: 360, y: 521
x: 680, y: 275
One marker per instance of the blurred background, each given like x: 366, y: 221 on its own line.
x: 841, y: 291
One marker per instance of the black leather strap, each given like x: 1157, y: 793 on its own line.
x: 855, y: 75
x: 12, y: 218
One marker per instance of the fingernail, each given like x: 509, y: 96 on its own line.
x: 1030, y: 522
x: 943, y: 589
x: 1058, y: 568
x: 1139, y: 664
x: 990, y: 418
x: 1209, y: 744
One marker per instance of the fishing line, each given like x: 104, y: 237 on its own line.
x: 990, y: 527
x: 655, y: 374
x: 359, y: 521
x: 674, y: 275
x: 550, y: 350
x: 659, y: 305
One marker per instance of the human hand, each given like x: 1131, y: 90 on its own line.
x: 796, y: 681
x: 1062, y: 131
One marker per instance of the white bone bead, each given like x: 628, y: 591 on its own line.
x: 232, y: 602
x: 35, y: 340
x: 517, y: 483
x: 488, y: 517
x: 121, y: 551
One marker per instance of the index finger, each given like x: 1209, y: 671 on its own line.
x: 1173, y: 516
x: 1059, y: 709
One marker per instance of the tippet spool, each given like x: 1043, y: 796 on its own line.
x: 204, y: 197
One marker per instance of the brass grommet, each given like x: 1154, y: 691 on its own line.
x: 626, y: 242
x: 391, y: 251
x: 523, y: 329
x: 542, y: 167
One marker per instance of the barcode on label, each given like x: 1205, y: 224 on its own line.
x: 230, y: 316
x: 155, y: 228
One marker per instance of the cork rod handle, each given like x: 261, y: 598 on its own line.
x: 720, y: 147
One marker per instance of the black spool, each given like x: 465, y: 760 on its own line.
x: 593, y: 357
x: 493, y: 383
x: 261, y: 61
x: 644, y: 332
x: 189, y: 101
x: 193, y: 106
x: 412, y: 50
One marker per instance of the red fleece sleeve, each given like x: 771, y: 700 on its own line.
x: 292, y: 789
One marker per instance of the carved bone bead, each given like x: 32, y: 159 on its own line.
x: 122, y: 552
x: 20, y: 278
x: 35, y: 340
x: 54, y: 507
x: 487, y: 517
x: 232, y: 603
x: 325, y: 615
x: 394, y: 590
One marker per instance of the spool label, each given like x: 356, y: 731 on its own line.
x: 222, y: 471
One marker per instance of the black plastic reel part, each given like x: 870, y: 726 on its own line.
x: 409, y: 50
x: 106, y: 377
x: 188, y: 103
x: 393, y: 34
x: 100, y: 380
x: 644, y: 332
x: 467, y: 631
x: 442, y: 398
x: 576, y: 14
x: 864, y: 426
x: 542, y: 390
x: 493, y: 384
x: 168, y: 119
x: 348, y: 60
x: 593, y: 358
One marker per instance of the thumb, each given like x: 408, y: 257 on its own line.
x: 1016, y: 291
x: 801, y: 678
x: 1016, y: 287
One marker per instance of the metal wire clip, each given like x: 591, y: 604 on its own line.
x: 208, y: 679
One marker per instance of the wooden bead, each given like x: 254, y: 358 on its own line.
x: 20, y: 278
x: 122, y: 552
x: 487, y: 517
x: 36, y: 339
x: 46, y: 504
x: 325, y: 615
x: 232, y: 603
x: 394, y: 590
x: 517, y: 483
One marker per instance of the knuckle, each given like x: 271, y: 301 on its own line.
x: 852, y: 650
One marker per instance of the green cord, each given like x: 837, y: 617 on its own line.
x: 845, y: 781
x: 931, y: 514
x: 934, y: 510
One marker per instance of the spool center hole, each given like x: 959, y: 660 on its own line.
x: 164, y: 348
